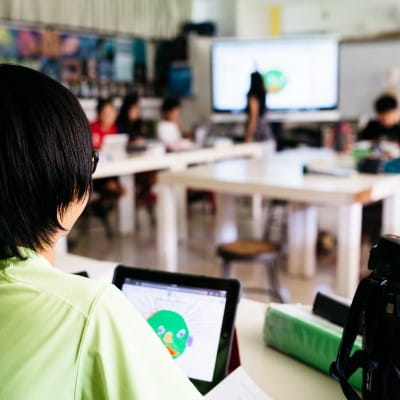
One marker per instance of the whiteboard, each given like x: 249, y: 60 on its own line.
x: 364, y: 70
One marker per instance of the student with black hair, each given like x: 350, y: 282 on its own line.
x: 257, y: 128
x: 61, y: 336
x: 109, y: 190
x: 169, y: 129
x: 129, y: 121
x: 386, y: 125
x: 105, y: 122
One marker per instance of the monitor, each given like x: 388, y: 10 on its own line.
x: 300, y: 74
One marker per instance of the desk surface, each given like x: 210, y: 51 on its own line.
x: 281, y: 377
x: 284, y: 180
x: 149, y: 162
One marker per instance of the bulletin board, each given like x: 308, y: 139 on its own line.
x: 68, y: 56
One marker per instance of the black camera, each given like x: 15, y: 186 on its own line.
x: 375, y: 311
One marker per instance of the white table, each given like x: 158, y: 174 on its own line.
x: 286, y: 182
x: 280, y: 376
x: 126, y: 168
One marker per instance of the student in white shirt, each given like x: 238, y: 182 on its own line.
x: 169, y: 129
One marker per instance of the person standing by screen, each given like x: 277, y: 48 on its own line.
x: 257, y: 128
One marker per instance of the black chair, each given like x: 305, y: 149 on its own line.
x: 249, y: 250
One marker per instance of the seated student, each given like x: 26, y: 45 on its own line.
x: 386, y: 125
x: 105, y: 122
x: 108, y: 189
x: 62, y: 336
x: 129, y: 121
x: 169, y: 129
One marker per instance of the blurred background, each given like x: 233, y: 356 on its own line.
x: 186, y: 66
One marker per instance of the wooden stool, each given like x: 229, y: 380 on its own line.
x: 253, y: 250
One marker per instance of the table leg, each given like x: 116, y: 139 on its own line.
x: 181, y: 199
x: 302, y: 238
x: 181, y: 202
x: 257, y: 216
x: 126, y: 205
x: 391, y: 214
x: 226, y: 229
x: 256, y: 206
x: 167, y: 228
x: 310, y: 215
x: 349, y: 244
x: 294, y: 232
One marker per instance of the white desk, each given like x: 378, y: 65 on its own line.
x: 238, y: 177
x: 129, y: 166
x: 282, y: 377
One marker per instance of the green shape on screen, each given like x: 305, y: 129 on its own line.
x: 274, y: 81
x: 172, y: 329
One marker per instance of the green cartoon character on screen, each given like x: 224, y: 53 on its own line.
x: 274, y: 81
x: 173, y: 331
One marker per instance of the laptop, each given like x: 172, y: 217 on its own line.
x: 192, y: 315
x: 114, y: 147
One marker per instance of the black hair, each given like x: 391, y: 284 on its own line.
x: 124, y: 125
x: 169, y: 104
x: 257, y: 90
x: 385, y: 103
x: 103, y: 102
x: 130, y: 100
x: 45, y: 157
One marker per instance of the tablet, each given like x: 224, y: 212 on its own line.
x: 192, y: 315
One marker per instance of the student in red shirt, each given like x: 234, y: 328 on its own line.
x: 105, y: 122
x: 109, y: 190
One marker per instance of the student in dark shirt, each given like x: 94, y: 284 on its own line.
x: 129, y: 120
x: 386, y: 125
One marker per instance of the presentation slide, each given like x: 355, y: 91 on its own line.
x: 188, y: 321
x: 299, y: 74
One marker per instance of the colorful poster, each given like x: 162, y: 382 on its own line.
x: 123, y: 60
x: 7, y: 42
x: 27, y: 41
x: 72, y: 57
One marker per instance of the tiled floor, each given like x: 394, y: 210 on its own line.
x: 198, y: 255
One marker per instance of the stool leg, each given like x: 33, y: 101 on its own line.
x: 273, y: 276
x: 226, y: 268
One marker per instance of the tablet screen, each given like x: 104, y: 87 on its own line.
x: 187, y: 320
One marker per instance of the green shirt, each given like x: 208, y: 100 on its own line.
x: 67, y: 337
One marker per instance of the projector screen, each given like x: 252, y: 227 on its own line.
x: 298, y: 73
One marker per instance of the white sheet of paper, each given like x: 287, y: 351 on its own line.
x: 237, y: 386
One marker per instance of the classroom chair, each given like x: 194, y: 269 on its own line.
x: 250, y: 250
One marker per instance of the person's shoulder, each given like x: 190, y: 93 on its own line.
x: 113, y: 129
x: 373, y: 127
x: 76, y: 291
x: 94, y: 125
x: 373, y: 123
x: 165, y: 127
x: 163, y: 123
